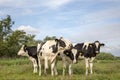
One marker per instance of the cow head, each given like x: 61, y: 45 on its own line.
x: 60, y: 43
x: 97, y: 46
x: 23, y: 51
x: 72, y: 54
x: 68, y: 44
x: 75, y: 54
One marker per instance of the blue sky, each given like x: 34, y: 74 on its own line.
x: 76, y: 20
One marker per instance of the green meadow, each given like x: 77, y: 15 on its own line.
x: 22, y: 69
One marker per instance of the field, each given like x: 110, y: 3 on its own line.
x: 22, y: 69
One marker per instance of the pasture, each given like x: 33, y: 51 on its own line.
x: 22, y: 69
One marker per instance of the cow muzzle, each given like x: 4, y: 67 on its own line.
x: 74, y: 61
x: 97, y: 52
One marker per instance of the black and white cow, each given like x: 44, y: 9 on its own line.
x: 31, y: 53
x: 50, y: 50
x: 88, y: 51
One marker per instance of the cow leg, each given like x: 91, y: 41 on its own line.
x: 45, y: 65
x: 87, y: 65
x: 64, y: 65
x: 70, y: 69
x: 34, y: 64
x: 91, y: 64
x: 39, y: 64
x: 53, y: 67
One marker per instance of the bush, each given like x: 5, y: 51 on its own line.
x: 105, y: 56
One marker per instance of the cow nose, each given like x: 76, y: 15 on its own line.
x: 97, y: 52
x: 74, y: 61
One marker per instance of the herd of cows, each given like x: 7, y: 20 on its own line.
x: 50, y: 50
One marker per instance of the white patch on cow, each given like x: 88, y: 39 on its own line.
x: 38, y: 46
x: 97, y: 44
x: 86, y: 44
x: 47, y: 49
x: 74, y: 51
x: 21, y: 52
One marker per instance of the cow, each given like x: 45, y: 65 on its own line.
x: 49, y: 50
x: 68, y: 58
x: 88, y: 51
x: 31, y: 53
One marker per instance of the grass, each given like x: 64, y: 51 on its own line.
x: 22, y: 69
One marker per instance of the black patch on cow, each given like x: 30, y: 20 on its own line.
x: 32, y: 51
x: 54, y: 48
x: 62, y: 43
x: 58, y: 43
x: 69, y: 54
x: 79, y: 47
x: 89, y: 52
x: 77, y: 55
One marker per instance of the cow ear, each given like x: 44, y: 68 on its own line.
x: 90, y: 44
x: 56, y: 40
x: 102, y: 44
x: 25, y: 47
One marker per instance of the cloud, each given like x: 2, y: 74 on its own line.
x: 55, y: 3
x: 28, y: 29
x: 31, y: 3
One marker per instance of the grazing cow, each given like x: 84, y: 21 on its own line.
x: 49, y: 50
x: 31, y: 53
x: 88, y: 51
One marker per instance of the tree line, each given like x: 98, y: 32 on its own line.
x: 11, y: 41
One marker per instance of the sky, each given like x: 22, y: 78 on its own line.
x: 76, y: 20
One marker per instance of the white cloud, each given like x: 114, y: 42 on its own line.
x: 55, y: 3
x: 32, y: 3
x: 28, y: 29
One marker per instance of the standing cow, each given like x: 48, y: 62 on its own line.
x: 88, y: 51
x: 31, y: 53
x: 50, y: 50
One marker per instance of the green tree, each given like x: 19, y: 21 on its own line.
x: 16, y: 39
x: 5, y: 27
x: 49, y: 38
